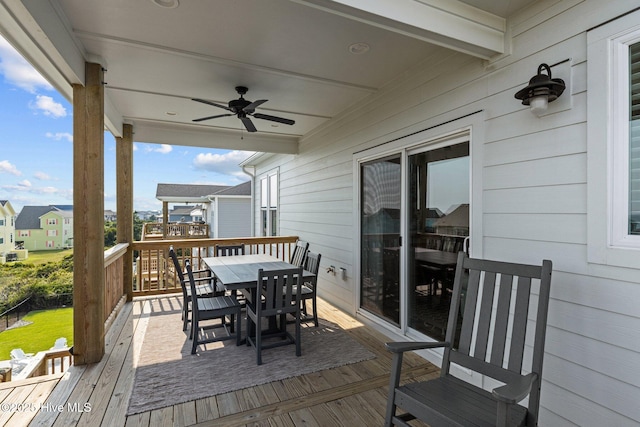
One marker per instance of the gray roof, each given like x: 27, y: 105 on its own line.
x: 199, y: 191
x: 184, y: 210
x: 243, y: 189
x: 29, y: 216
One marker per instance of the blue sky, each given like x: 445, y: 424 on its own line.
x: 36, y: 150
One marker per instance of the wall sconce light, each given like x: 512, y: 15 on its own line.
x: 541, y: 90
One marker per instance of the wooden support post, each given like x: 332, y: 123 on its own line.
x: 124, y: 194
x: 88, y: 217
x: 165, y: 219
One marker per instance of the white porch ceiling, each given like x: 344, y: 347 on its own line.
x: 295, y: 53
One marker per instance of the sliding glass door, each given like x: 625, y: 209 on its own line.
x: 380, y: 208
x: 423, y: 195
x: 438, y: 219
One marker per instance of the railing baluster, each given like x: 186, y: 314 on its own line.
x: 153, y: 267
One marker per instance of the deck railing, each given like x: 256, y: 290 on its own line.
x: 114, y: 289
x: 56, y: 360
x: 155, y: 275
x: 175, y: 230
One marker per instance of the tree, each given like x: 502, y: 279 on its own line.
x: 109, y: 234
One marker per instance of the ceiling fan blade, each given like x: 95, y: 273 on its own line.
x: 274, y: 118
x: 255, y: 104
x: 204, y: 101
x: 248, y: 124
x: 211, y: 117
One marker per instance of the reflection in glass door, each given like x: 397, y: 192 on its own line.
x: 380, y: 203
x: 439, y: 197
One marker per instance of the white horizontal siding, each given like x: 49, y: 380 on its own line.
x: 233, y: 217
x: 534, y: 199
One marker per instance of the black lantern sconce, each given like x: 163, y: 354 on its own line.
x: 541, y: 90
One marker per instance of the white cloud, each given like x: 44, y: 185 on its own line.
x: 60, y: 136
x: 42, y: 176
x: 6, y: 167
x: 226, y: 164
x: 19, y: 72
x: 162, y: 148
x: 49, y: 107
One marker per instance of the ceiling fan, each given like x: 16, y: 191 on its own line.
x: 243, y: 109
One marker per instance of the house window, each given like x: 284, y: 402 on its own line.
x: 634, y: 138
x: 1, y: 240
x: 49, y: 244
x: 613, y: 142
x: 24, y: 233
x: 1, y: 222
x: 52, y: 221
x: 269, y: 204
x: 52, y: 233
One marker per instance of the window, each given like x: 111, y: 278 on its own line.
x: 52, y: 221
x: 49, y: 244
x: 269, y: 204
x: 613, y: 142
x: 25, y: 233
x: 1, y: 222
x: 52, y: 233
x: 1, y: 240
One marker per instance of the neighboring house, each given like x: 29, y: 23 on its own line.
x: 45, y: 227
x: 7, y: 227
x: 227, y: 209
x: 110, y: 215
x: 149, y: 215
x: 186, y: 213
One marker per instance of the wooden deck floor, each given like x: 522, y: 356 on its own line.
x: 351, y: 395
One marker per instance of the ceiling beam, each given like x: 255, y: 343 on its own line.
x: 451, y: 24
x: 201, y: 136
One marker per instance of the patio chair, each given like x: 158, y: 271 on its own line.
x: 492, y: 299
x: 228, y: 250
x: 205, y: 287
x: 60, y: 344
x: 19, y: 359
x: 211, y: 308
x: 308, y: 292
x: 299, y: 253
x: 275, y: 298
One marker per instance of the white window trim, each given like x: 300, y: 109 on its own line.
x: 608, y: 241
x: 267, y: 176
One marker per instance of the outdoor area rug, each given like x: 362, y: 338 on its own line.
x: 167, y: 373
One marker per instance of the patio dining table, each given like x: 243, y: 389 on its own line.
x: 240, y: 272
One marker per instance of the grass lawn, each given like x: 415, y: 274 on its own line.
x: 46, y: 327
x: 42, y: 257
